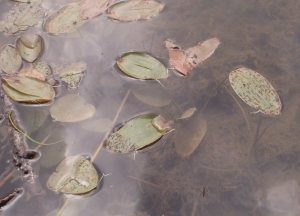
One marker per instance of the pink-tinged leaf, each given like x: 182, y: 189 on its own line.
x: 178, y: 58
x: 92, y: 8
x: 199, y: 53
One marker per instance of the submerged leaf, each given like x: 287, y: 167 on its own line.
x: 136, y: 134
x: 64, y: 20
x: 199, y: 53
x: 23, y: 15
x: 27, y: 89
x: 98, y: 125
x: 71, y: 73
x: 30, y: 46
x: 189, y: 136
x: 28, y: 72
x: 43, y: 68
x: 10, y: 60
x: 92, y: 8
x: 71, y: 108
x: 134, y: 10
x: 74, y: 175
x: 255, y: 90
x: 188, y: 113
x: 156, y: 96
x: 142, y: 66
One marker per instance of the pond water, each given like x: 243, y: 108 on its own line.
x: 246, y: 164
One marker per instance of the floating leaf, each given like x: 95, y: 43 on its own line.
x: 99, y: 125
x: 92, y: 8
x: 74, y: 175
x: 199, y: 53
x: 23, y: 15
x: 64, y: 20
x: 43, y: 68
x: 71, y: 73
x: 142, y: 66
x: 156, y: 96
x: 255, y: 91
x: 71, y: 108
x: 188, y: 113
x: 27, y: 89
x: 30, y: 46
x: 136, y: 134
x: 10, y: 60
x: 189, y: 136
x: 184, y: 62
x: 29, y: 72
x: 134, y: 10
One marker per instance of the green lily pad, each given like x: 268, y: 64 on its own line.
x: 134, y: 10
x: 255, y: 90
x: 71, y: 108
x: 27, y: 89
x: 30, y: 46
x: 137, y: 133
x: 71, y: 73
x: 43, y: 68
x: 10, y: 59
x: 64, y: 20
x: 74, y: 175
x: 154, y: 96
x: 142, y: 66
x: 98, y: 125
x: 23, y: 15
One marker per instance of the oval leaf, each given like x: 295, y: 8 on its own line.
x: 134, y: 10
x: 199, y: 53
x: 188, y: 113
x: 30, y: 46
x: 136, y: 134
x: 74, y: 175
x: 255, y: 90
x: 27, y: 89
x: 71, y: 108
x: 92, y: 8
x: 99, y: 125
x: 10, y: 60
x: 157, y: 96
x: 189, y: 136
x: 64, y: 20
x: 141, y: 66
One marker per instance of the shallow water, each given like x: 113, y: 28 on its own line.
x: 245, y: 170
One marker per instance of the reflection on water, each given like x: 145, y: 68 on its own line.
x: 247, y: 170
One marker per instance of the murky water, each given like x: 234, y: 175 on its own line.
x: 236, y: 170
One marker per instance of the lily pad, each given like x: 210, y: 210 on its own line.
x: 23, y: 15
x: 142, y: 66
x: 43, y: 68
x: 92, y: 8
x: 154, y: 96
x: 137, y: 133
x: 134, y: 10
x: 30, y: 46
x: 74, y: 175
x: 189, y: 136
x: 200, y: 52
x: 27, y: 89
x: 10, y: 59
x: 71, y: 73
x: 255, y: 90
x: 98, y: 125
x: 71, y: 108
x: 64, y: 20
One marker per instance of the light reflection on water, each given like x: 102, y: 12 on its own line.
x: 243, y: 176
